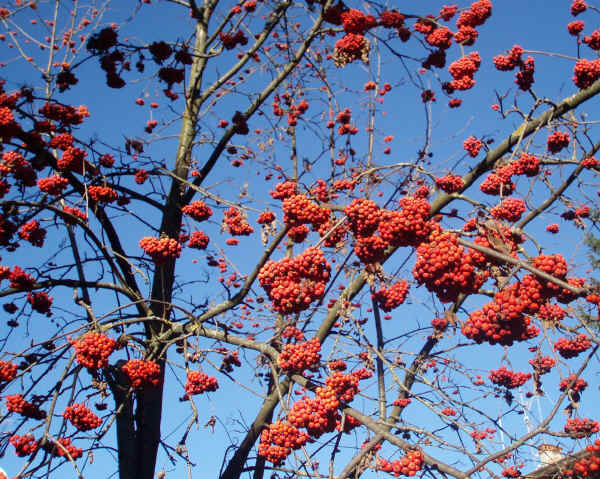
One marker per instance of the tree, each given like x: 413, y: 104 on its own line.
x: 261, y: 237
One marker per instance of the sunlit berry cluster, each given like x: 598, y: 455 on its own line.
x: 199, y: 382
x: 557, y: 141
x: 510, y: 210
x: 291, y: 332
x: 20, y: 280
x: 579, y: 384
x: 24, y: 445
x: 81, y: 417
x: 73, y: 159
x: 527, y: 165
x: 198, y: 240
x: 293, y: 283
x: 586, y: 72
x: 102, y: 194
x: 279, y: 440
x: 445, y: 268
x: 450, y: 183
x: 197, y: 210
x: 16, y: 403
x: 236, y: 224
x: 508, y: 379
x: 407, y: 227
x: 265, y: 218
x: 93, y: 349
x: 67, y: 447
x: 161, y: 250
x: 299, y: 357
x: 499, y: 182
x: 336, y: 237
x: 8, y: 371
x: 462, y: 71
x: 352, y: 46
x: 472, y: 146
x: 589, y: 465
x: 284, y: 190
x: 571, y: 348
x: 409, y: 465
x: 142, y: 374
x: 542, y: 364
x: 363, y: 216
x: 579, y: 428
x: 392, y: 297
x: 300, y: 210
x: 33, y: 233
x: 53, y: 185
x: 370, y: 249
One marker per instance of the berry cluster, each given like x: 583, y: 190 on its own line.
x: 102, y: 194
x: 296, y: 358
x: 236, y: 224
x: 299, y: 210
x: 557, y: 141
x: 462, y: 71
x: 510, y: 210
x: 266, y: 217
x: 20, y: 280
x: 363, y: 216
x: 445, y: 268
x: 586, y: 72
x: 199, y: 382
x: 93, y: 349
x: 62, y: 141
x: 142, y: 374
x: 448, y: 411
x: 370, y: 249
x: 508, y: 379
x: 450, y: 183
x: 53, y: 185
x: 278, y: 441
x: 590, y: 465
x: 580, y: 428
x: 499, y: 182
x: 409, y: 465
x: 8, y: 371
x: 24, y: 445
x: 81, y: 417
x: 336, y: 237
x: 391, y: 297
x: 409, y: 226
x: 284, y: 190
x: 292, y: 332
x: 73, y: 159
x: 313, y: 414
x: 579, y: 384
x: 527, y: 165
x: 197, y: 210
x: 352, y: 46
x: 570, y: 348
x: 542, y: 364
x: 472, y: 146
x: 40, y: 302
x: 161, y: 250
x: 16, y: 403
x: 67, y: 447
x: 32, y: 232
x: 293, y: 283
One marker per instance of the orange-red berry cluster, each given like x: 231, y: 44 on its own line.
x: 16, y: 403
x: 198, y: 240
x: 293, y: 283
x: 450, y: 183
x: 363, y: 216
x: 279, y: 440
x: 284, y: 190
x: 53, y: 185
x: 300, y: 210
x: 32, y: 232
x: 199, y: 382
x: 499, y: 182
x: 542, y: 364
x: 508, y: 379
x: 40, y: 302
x: 393, y: 296
x: 93, y: 349
x: 73, y: 451
x: 142, y: 374
x: 510, y: 210
x: 266, y: 217
x: 407, y: 227
x: 579, y: 384
x: 197, y: 210
x: 298, y: 357
x: 236, y: 224
x: 161, y: 250
x: 8, y: 371
x: 24, y: 445
x: 102, y: 194
x: 472, y: 146
x: 409, y: 465
x: 557, y: 141
x: 81, y: 417
x: 570, y: 348
x: 579, y: 428
x: 590, y: 465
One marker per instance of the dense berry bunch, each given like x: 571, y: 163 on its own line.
x: 586, y: 72
x: 336, y: 237
x: 508, y: 379
x: 141, y: 176
x: 93, y: 349
x: 391, y: 19
x: 579, y: 428
x: 292, y: 332
x: 576, y: 27
x: 197, y: 210
x: 81, y: 417
x: 556, y: 265
x: 407, y: 227
x: 236, y: 224
x: 577, y: 7
x: 278, y: 441
x: 199, y: 382
x: 74, y: 212
x: 352, y: 46
x: 142, y: 374
x: 32, y: 232
x: 24, y: 445
x: 392, y: 297
x: 8, y: 371
x: 409, y: 465
x: 161, y: 250
x: 472, y: 146
x: 198, y: 240
x: 440, y: 38
x: 67, y: 447
x: 14, y: 163
x: 450, y: 183
x: 266, y: 217
x: 551, y: 312
x: 542, y: 364
x: 463, y: 70
x: 317, y: 416
x: 53, y: 185
x: 510, y: 61
x: 73, y: 159
x: 299, y: 210
x: 40, y: 302
x: 579, y: 384
x: 570, y: 348
x: 284, y: 190
x: 16, y: 403
x: 510, y: 210
x: 588, y: 466
x: 293, y: 283
x: 363, y: 216
x: 21, y: 280
x: 527, y: 165
x: 499, y: 182
x: 344, y: 386
x: 445, y: 268
x: 370, y: 249
x: 355, y: 21
x: 296, y: 358
x: 557, y: 141
x: 102, y: 194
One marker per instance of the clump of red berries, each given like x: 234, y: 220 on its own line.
x: 472, y: 146
x: 527, y: 165
x: 53, y: 185
x: 8, y: 371
x: 296, y: 358
x: 409, y: 465
x: 450, y: 183
x: 278, y: 440
x: 33, y: 233
x: 300, y: 210
x: 197, y: 210
x: 81, y: 417
x: 161, y: 250
x: 199, y: 382
x: 579, y: 384
x: 392, y: 297
x: 508, y: 379
x: 102, y: 194
x: 510, y: 210
x: 579, y: 428
x: 93, y: 349
x: 542, y: 364
x: 142, y: 374
x: 24, y: 445
x: 570, y: 348
x: 407, y: 227
x: 363, y: 216
x: 586, y: 72
x: 236, y: 224
x: 16, y: 403
x: 557, y: 141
